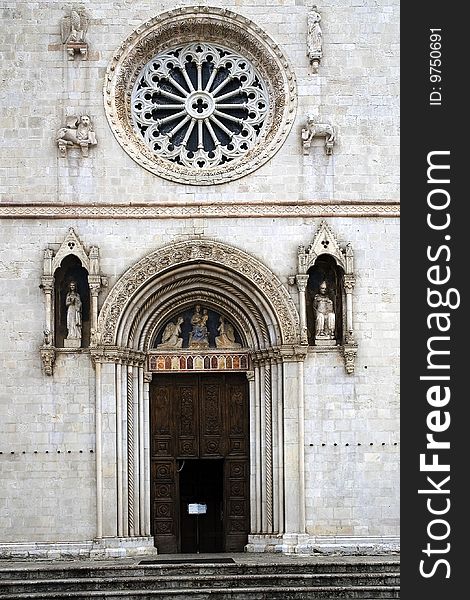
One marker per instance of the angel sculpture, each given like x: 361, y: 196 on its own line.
x: 226, y: 337
x: 170, y: 336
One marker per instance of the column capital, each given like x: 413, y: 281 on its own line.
x: 293, y: 353
x: 118, y: 355
x: 349, y: 282
x: 47, y: 283
x: 301, y: 280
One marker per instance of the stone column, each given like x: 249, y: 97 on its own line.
x: 294, y: 508
x: 119, y: 444
x: 276, y: 446
x: 147, y: 381
x: 302, y: 281
x: 254, y: 500
x: 349, y: 281
x: 109, y: 449
x: 268, y: 452
x: 142, y: 474
x: 256, y: 450
x: 130, y: 452
x: 280, y: 441
x: 47, y: 283
x: 98, y: 450
x: 94, y: 281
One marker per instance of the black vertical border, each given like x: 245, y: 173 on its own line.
x: 424, y: 129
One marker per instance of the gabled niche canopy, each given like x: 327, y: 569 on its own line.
x: 71, y: 282
x: 325, y: 279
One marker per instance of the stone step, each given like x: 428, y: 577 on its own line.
x: 67, y: 570
x: 197, y: 581
x: 245, y: 593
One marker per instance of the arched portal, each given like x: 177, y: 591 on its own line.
x: 229, y: 282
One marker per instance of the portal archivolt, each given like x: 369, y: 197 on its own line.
x: 176, y: 276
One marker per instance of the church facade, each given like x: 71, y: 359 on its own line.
x: 199, y: 269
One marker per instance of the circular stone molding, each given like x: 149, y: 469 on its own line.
x: 200, y: 95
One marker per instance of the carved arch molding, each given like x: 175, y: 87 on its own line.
x: 206, y: 25
x: 230, y: 271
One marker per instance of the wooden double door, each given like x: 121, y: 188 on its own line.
x: 200, y: 462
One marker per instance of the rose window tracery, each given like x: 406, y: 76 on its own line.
x: 199, y: 105
x: 200, y: 95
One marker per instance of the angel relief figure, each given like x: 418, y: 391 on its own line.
x: 226, y: 337
x: 171, y: 336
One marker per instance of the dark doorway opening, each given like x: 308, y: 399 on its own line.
x: 201, y: 505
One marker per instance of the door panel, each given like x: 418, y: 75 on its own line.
x: 198, y: 420
x: 185, y: 397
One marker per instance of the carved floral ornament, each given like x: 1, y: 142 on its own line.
x: 200, y: 95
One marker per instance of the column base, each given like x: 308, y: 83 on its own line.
x: 301, y: 543
x: 90, y: 549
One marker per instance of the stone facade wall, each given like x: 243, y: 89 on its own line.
x: 356, y: 88
x: 47, y: 495
x: 351, y: 490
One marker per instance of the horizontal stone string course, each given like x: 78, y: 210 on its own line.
x: 116, y: 211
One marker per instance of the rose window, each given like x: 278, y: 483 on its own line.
x: 199, y: 105
x: 200, y: 96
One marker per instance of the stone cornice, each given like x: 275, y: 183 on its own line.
x: 203, y: 210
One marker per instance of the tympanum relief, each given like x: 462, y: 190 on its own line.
x: 198, y: 328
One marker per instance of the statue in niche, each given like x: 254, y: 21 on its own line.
x: 171, y: 339
x: 324, y: 317
x: 226, y: 337
x: 78, y: 132
x: 314, y: 39
x: 73, y: 304
x: 199, y: 336
x: 73, y: 29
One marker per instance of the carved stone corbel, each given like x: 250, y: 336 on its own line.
x: 47, y: 353
x: 250, y: 375
x: 350, y: 353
